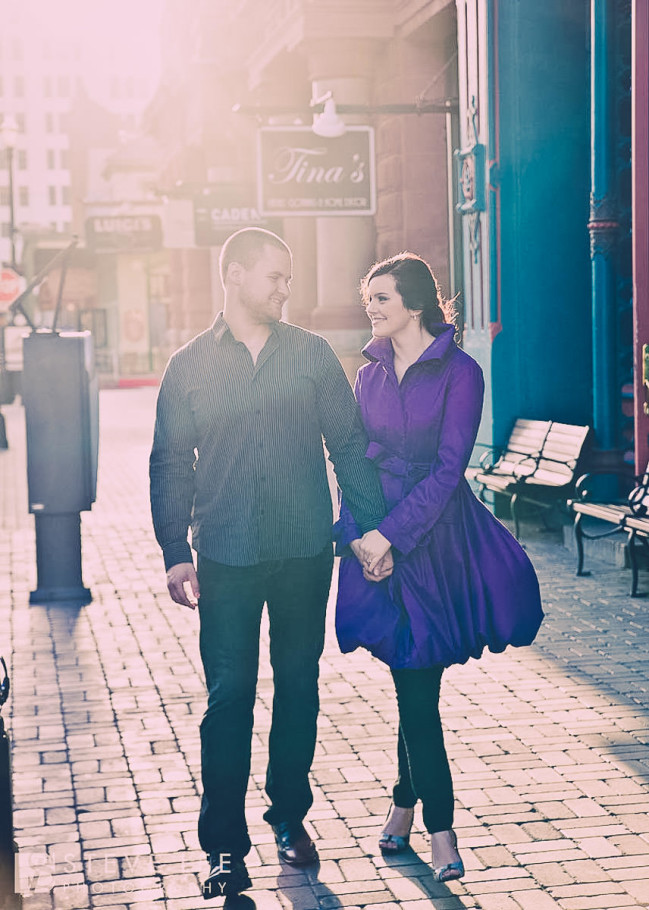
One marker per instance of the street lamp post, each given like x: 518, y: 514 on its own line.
x: 8, y: 139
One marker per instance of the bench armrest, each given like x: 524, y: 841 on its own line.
x: 583, y: 491
x: 492, y: 452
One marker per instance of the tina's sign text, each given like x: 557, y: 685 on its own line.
x: 303, y: 174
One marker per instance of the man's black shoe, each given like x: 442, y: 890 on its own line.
x: 228, y: 877
x: 294, y: 845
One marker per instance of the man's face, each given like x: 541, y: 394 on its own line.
x: 265, y: 287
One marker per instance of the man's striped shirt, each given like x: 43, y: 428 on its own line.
x: 238, y: 449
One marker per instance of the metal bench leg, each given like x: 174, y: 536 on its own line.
x: 579, y: 540
x: 633, y: 559
x: 514, y: 513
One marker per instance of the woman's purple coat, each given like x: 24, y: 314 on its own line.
x: 461, y: 581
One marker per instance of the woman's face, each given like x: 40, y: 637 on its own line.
x: 385, y: 309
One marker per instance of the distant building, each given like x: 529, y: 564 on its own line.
x: 49, y: 54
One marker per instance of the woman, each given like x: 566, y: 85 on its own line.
x: 460, y: 581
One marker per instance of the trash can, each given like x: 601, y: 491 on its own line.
x: 61, y: 400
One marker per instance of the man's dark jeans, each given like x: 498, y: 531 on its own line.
x: 230, y: 605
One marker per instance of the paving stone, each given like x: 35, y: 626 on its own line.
x: 549, y: 744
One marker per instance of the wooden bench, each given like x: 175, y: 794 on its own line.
x: 538, y: 465
x: 628, y: 514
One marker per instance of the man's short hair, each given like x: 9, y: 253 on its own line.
x: 246, y: 247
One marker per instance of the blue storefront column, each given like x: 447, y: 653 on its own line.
x: 527, y: 282
x: 603, y: 227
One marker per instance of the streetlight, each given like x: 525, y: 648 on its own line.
x: 8, y: 140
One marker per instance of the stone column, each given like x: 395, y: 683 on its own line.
x: 345, y: 245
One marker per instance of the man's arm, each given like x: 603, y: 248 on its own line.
x: 346, y: 441
x: 171, y: 470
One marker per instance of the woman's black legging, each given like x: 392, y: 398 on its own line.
x: 424, y: 771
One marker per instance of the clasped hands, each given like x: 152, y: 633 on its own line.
x: 372, y: 551
x: 374, y: 554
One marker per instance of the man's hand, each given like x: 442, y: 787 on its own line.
x: 383, y: 570
x: 373, y: 547
x: 182, y: 583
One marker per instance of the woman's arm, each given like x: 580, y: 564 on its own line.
x: 416, y: 514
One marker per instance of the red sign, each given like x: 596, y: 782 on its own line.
x: 11, y: 284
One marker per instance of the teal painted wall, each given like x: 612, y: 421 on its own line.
x: 540, y: 365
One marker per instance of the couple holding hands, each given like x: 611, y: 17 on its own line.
x: 428, y: 577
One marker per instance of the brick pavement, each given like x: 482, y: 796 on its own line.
x: 549, y: 744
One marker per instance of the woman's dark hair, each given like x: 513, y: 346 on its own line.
x: 418, y: 287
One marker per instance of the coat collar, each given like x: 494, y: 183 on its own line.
x: 381, y: 350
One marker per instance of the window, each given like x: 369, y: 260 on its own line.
x: 49, y: 123
x: 22, y: 160
x: 6, y: 230
x: 23, y: 195
x: 4, y: 195
x: 64, y: 86
x: 47, y: 86
x: 52, y: 195
x: 65, y: 159
x: 51, y: 161
x: 20, y: 121
x: 1, y: 90
x: 19, y: 86
x: 65, y: 195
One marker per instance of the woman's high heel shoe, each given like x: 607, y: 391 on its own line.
x: 449, y: 872
x: 395, y: 843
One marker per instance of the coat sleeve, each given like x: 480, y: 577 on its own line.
x: 416, y: 514
x: 171, y: 469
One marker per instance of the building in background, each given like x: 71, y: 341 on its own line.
x: 76, y: 82
x: 503, y: 140
x: 390, y: 69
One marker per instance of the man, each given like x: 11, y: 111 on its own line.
x: 238, y: 454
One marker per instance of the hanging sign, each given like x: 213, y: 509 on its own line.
x: 123, y: 233
x: 300, y: 173
x: 220, y: 212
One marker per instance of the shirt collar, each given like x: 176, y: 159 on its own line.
x: 381, y: 350
x: 222, y: 332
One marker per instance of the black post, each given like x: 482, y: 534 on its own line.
x: 12, y: 213
x: 8, y: 896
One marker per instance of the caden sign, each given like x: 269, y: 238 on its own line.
x: 300, y: 173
